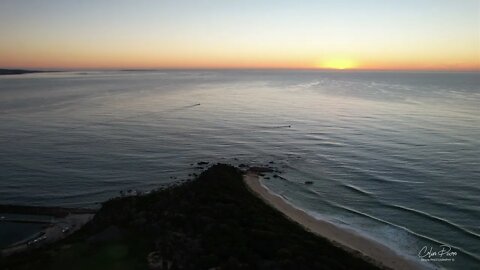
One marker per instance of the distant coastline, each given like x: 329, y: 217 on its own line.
x: 21, y: 71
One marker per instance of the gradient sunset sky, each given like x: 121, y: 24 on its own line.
x: 361, y: 34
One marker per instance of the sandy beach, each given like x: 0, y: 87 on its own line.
x: 347, y: 239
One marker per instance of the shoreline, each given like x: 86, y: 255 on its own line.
x: 348, y: 240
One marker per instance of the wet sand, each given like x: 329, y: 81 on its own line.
x: 349, y: 240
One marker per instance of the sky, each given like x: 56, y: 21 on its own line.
x: 337, y: 34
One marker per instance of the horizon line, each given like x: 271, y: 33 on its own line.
x: 66, y: 69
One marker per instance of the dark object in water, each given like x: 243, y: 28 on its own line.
x: 202, y: 163
x: 308, y: 183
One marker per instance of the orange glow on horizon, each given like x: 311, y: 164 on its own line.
x: 338, y: 63
x: 152, y: 58
x: 119, y: 62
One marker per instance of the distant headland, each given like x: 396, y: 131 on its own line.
x: 4, y: 71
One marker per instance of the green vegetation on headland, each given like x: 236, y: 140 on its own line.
x: 212, y: 222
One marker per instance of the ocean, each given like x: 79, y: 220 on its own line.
x: 392, y: 155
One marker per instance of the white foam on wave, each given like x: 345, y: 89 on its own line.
x: 405, y: 245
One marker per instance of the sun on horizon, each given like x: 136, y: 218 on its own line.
x: 339, y: 63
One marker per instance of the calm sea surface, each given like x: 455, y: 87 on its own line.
x: 395, y: 156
